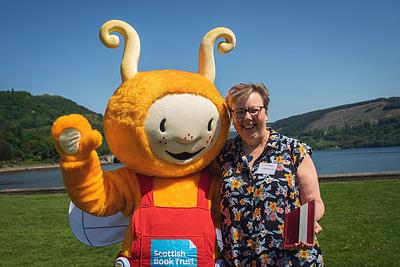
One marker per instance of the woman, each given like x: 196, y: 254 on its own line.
x: 264, y: 175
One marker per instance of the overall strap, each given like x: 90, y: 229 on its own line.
x: 202, y: 193
x: 146, y: 190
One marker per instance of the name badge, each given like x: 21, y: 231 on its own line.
x: 267, y: 168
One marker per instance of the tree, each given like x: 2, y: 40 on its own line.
x: 6, y: 152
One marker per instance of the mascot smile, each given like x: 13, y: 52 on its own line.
x: 165, y: 126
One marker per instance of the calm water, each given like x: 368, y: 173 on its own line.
x: 326, y: 162
x: 357, y: 160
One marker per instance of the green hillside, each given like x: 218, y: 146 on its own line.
x: 365, y: 124
x: 25, y: 126
x: 26, y: 121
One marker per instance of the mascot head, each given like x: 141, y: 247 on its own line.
x: 166, y: 123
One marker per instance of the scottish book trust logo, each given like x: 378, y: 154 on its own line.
x: 175, y: 252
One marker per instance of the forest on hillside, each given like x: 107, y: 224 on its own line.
x: 26, y: 121
x: 374, y: 127
x: 384, y: 133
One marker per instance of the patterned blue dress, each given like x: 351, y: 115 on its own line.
x: 253, y: 203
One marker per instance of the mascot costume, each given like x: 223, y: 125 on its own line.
x: 165, y: 126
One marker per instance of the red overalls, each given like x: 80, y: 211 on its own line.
x: 173, y: 236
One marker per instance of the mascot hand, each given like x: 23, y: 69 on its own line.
x: 74, y: 137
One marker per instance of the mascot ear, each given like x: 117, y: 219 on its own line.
x: 130, y: 58
x: 206, y: 52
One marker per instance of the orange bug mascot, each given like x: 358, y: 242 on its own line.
x: 165, y: 126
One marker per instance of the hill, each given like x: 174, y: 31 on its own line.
x: 25, y: 126
x: 364, y: 124
x: 26, y: 121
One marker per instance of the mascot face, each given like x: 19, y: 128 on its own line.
x: 166, y: 123
x: 181, y: 128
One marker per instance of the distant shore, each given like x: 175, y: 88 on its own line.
x: 34, y: 167
x: 30, y: 167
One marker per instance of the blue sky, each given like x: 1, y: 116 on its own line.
x: 310, y: 54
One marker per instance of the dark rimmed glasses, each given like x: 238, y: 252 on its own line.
x: 239, y: 113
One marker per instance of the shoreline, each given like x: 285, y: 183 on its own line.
x: 321, y: 177
x: 37, y: 167
x: 30, y: 167
x: 342, y: 177
x: 358, y: 176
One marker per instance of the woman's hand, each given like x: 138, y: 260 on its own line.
x: 317, y: 228
x: 305, y: 246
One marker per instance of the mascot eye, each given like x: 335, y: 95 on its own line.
x: 162, y: 125
x: 209, y: 125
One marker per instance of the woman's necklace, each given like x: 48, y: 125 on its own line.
x: 254, y: 152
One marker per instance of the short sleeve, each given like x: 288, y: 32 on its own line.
x: 300, y: 150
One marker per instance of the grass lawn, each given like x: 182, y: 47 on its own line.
x: 35, y: 232
x: 361, y: 223
x: 361, y: 228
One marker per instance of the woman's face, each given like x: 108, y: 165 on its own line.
x: 251, y: 128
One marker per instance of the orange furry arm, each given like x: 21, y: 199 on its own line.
x: 94, y: 191
x: 97, y: 192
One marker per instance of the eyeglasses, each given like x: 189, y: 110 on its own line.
x: 239, y: 113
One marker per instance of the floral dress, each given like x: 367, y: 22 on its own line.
x: 254, y: 202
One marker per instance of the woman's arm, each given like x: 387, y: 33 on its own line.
x: 307, y: 180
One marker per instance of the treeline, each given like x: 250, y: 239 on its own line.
x: 384, y: 133
x: 376, y: 123
x: 26, y: 121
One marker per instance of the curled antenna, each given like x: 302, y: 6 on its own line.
x: 130, y: 58
x: 206, y: 52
